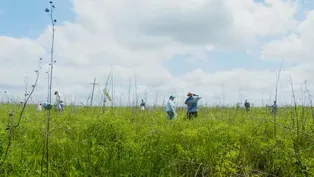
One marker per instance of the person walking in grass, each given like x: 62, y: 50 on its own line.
x: 274, y: 107
x: 59, y: 101
x: 170, y: 108
x: 46, y: 106
x: 39, y: 107
x: 143, y: 105
x: 192, y: 105
x: 247, y: 105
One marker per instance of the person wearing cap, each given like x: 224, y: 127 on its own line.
x: 170, y: 108
x: 192, y: 104
x: 59, y: 101
x: 247, y: 105
x: 274, y: 108
x: 143, y: 105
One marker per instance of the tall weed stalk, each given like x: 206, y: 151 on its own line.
x: 48, y: 115
x: 276, y: 94
x: 11, y: 125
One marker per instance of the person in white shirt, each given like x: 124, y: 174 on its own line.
x: 59, y: 101
x: 170, y: 108
x: 39, y: 107
x: 143, y: 105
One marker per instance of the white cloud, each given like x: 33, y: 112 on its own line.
x: 296, y: 46
x: 140, y: 35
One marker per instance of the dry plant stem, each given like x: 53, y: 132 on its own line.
x: 295, y: 107
x: 92, y: 98
x: 129, y: 93
x: 48, y: 79
x: 8, y: 98
x: 297, y: 156
x: 26, y: 86
x: 135, y: 82
x: 87, y: 100
x: 310, y: 100
x: 25, y: 103
x: 312, y: 110
x: 10, y: 141
x: 276, y: 94
x: 112, y: 90
x: 46, y: 147
x: 11, y: 126
x: 303, y: 99
x: 155, y: 104
x: 105, y: 90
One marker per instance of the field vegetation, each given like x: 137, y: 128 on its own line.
x: 125, y: 141
x: 129, y: 142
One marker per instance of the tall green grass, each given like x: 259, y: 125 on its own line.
x: 129, y: 142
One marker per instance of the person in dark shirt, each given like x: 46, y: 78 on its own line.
x: 143, y: 105
x: 247, y: 105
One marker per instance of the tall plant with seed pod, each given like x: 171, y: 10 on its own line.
x: 11, y: 126
x: 49, y: 11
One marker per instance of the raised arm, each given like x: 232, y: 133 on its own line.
x: 192, y: 100
x: 197, y: 98
x: 188, y: 101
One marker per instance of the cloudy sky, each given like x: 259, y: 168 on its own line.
x: 224, y: 50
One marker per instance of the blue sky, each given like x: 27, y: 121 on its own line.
x: 28, y: 19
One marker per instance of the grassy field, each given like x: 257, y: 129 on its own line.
x: 129, y: 142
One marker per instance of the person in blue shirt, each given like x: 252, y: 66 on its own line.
x: 170, y: 108
x: 274, y: 107
x: 247, y: 105
x: 46, y: 106
x: 192, y: 105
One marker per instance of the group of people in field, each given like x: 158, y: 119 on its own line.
x: 273, y: 107
x: 59, y: 103
x: 191, y: 102
x: 192, y: 106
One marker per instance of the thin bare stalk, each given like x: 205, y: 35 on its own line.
x: 303, y: 105
x: 105, y: 90
x: 11, y: 126
x: 310, y: 100
x: 295, y: 107
x: 52, y: 62
x: 10, y: 140
x: 112, y: 92
x: 312, y: 110
x: 136, y: 96
x: 93, y: 90
x: 26, y: 87
x: 26, y: 101
x: 276, y: 94
x: 129, y: 93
